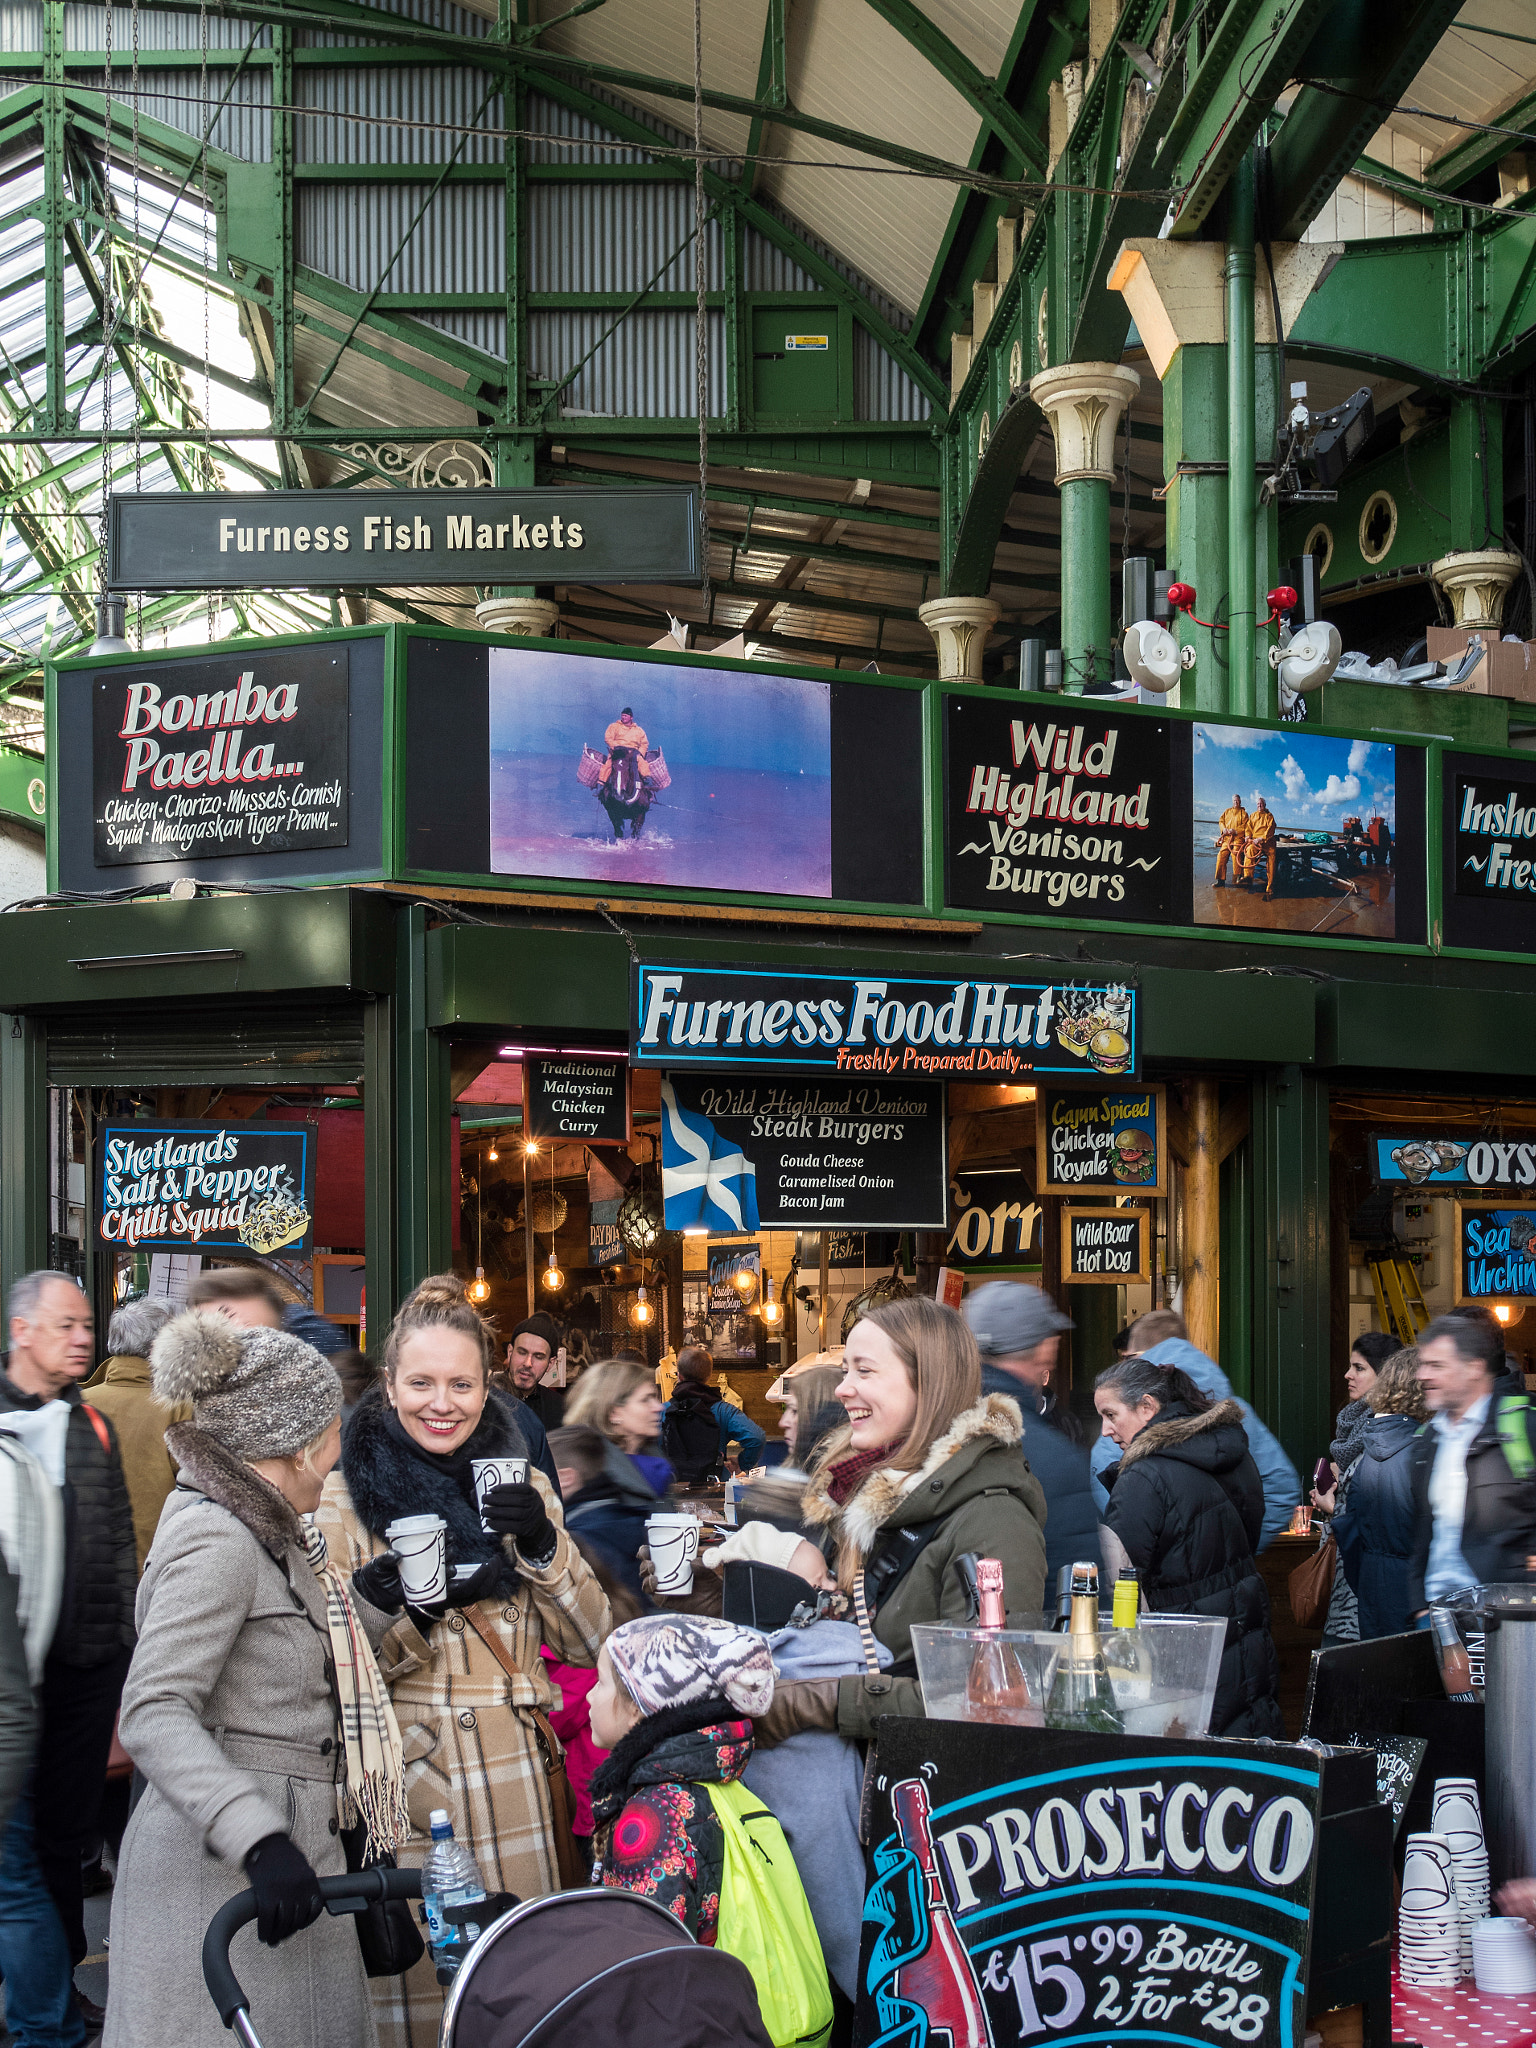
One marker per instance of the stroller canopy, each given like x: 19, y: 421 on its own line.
x: 596, y: 1966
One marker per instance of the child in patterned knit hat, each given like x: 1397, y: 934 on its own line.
x: 673, y: 1703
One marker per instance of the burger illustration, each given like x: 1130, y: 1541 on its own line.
x: 1110, y: 1050
x: 1134, y: 1158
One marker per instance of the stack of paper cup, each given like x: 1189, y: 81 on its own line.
x: 1428, y: 1934
x: 1459, y: 1818
x: 1505, y: 1958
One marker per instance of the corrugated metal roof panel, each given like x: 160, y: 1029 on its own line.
x: 353, y: 232
x: 453, y: 96
x: 85, y: 28
x: 484, y: 331
x: 644, y: 370
x: 615, y: 238
x: 547, y: 117
x: 243, y: 128
x: 882, y: 390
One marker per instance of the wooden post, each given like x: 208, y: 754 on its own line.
x: 1202, y: 1219
x: 824, y: 1257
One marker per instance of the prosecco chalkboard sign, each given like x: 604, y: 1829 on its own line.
x: 1083, y: 1888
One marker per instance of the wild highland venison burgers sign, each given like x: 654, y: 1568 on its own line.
x: 233, y: 755
x: 207, y: 1187
x: 1069, y: 816
x: 764, y: 1018
x: 1086, y: 1889
x: 300, y: 540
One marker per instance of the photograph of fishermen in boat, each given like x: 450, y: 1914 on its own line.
x: 649, y: 772
x: 1294, y: 832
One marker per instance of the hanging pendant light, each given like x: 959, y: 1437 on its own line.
x: 772, y: 1310
x: 479, y: 1288
x: 642, y: 1312
x: 493, y: 1155
x: 554, y: 1279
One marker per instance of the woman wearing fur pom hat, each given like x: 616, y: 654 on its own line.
x: 469, y: 1685
x: 253, y: 1707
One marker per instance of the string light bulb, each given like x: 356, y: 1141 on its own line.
x: 493, y: 1155
x: 554, y: 1279
x: 531, y: 1147
x: 745, y: 1281
x: 772, y: 1310
x: 642, y: 1312
x: 1502, y: 1311
x: 479, y: 1288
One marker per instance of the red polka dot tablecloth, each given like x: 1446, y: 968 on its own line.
x: 1466, y: 2018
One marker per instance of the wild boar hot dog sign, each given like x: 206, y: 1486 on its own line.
x: 207, y: 1187
x: 1086, y: 1889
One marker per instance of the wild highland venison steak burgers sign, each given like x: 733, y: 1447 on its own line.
x: 1069, y: 816
x: 234, y: 755
x: 300, y: 540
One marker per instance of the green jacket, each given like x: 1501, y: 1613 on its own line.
x: 976, y: 1479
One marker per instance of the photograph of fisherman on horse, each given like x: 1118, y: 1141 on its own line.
x: 631, y: 777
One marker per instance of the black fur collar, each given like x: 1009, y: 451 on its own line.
x: 231, y: 1484
x: 387, y: 1481
x: 610, y: 1781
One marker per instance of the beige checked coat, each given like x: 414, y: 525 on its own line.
x: 467, y: 1745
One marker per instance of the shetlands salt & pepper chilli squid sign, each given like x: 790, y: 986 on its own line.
x: 299, y: 540
x: 768, y: 1019
x: 207, y: 1187
x: 1087, y: 1889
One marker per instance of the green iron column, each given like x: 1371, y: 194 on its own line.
x: 517, y: 607
x: 1084, y: 402
x: 1291, y: 1271
x: 1194, y: 464
x: 1477, y: 572
x: 423, y: 1102
x: 1241, y: 489
x: 23, y: 1149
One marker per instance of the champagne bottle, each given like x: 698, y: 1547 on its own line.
x: 1063, y: 1619
x: 940, y: 1981
x: 1081, y: 1694
x: 996, y: 1688
x: 1451, y: 1652
x: 1127, y: 1653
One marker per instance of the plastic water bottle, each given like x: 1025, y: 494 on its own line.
x: 449, y: 1877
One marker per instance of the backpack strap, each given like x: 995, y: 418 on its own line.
x: 98, y: 1422
x: 1510, y: 1418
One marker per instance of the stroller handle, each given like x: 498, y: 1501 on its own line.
x: 354, y: 1892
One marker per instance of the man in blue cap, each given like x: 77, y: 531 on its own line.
x: 1018, y: 1332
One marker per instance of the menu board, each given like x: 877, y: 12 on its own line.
x: 571, y: 1097
x: 206, y: 1187
x: 1086, y: 1888
x: 1111, y: 1138
x: 1105, y: 1246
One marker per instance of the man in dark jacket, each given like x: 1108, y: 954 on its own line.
x: 1474, y: 1468
x: 1018, y: 1332
x: 534, y: 1344
x: 52, y: 1345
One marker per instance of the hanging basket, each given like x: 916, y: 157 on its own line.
x: 548, y: 1209
x: 642, y: 1224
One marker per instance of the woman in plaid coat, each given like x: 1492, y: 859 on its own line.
x: 474, y: 1735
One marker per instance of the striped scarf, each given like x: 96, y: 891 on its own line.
x: 375, y: 1788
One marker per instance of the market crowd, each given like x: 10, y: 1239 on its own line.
x: 199, y: 1579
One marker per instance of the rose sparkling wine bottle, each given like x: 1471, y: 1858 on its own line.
x: 996, y: 1688
x: 1081, y: 1694
x: 940, y: 1980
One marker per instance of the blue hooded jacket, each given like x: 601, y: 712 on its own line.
x: 1282, y: 1486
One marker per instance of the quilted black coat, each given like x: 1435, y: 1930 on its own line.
x: 1187, y: 1503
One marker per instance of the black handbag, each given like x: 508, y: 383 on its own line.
x: 386, y: 1930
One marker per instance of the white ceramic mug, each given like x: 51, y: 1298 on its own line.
x: 674, y: 1544
x: 421, y: 1544
x: 493, y: 1472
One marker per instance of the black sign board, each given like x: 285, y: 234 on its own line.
x: 1495, y: 1253
x: 1111, y: 1138
x: 207, y: 1187
x: 791, y: 1151
x: 867, y: 1249
x: 1072, y: 814
x: 994, y: 1221
x: 752, y: 1019
x: 1105, y: 1247
x: 571, y: 1097
x: 301, y: 540
x: 242, y: 754
x: 1488, y: 827
x: 1398, y: 1758
x: 1086, y: 1888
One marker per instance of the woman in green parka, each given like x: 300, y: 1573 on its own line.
x: 927, y: 1470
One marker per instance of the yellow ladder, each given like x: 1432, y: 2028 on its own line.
x: 1400, y: 1304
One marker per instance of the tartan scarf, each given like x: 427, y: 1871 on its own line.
x: 375, y: 1787
x: 846, y: 1477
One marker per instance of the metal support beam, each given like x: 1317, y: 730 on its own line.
x: 1242, y: 490
x: 973, y: 85
x: 423, y: 1181
x: 1290, y: 1254
x: 23, y: 1148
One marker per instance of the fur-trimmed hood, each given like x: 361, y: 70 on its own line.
x: 979, y: 1452
x: 207, y: 1468
x: 1204, y: 1439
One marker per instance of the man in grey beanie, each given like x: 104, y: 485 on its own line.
x: 1018, y: 1332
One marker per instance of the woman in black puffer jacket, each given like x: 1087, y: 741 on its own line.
x: 1187, y: 1503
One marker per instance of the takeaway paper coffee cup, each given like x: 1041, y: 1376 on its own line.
x: 494, y: 1472
x: 421, y: 1544
x: 674, y: 1544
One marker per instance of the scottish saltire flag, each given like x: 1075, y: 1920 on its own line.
x: 706, y: 1181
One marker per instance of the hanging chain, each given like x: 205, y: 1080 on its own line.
x: 136, y: 380
x: 701, y: 290
x: 202, y: 93
x: 107, y: 320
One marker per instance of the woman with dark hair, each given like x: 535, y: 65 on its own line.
x: 1374, y: 1528
x: 1187, y: 1504
x: 1367, y: 1355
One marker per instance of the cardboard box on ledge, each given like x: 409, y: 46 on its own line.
x: 1507, y: 669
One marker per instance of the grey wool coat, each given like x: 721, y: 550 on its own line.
x: 230, y: 1713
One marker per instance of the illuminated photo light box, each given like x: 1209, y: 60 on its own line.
x: 1495, y: 1253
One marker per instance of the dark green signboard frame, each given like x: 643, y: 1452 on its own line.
x: 302, y: 540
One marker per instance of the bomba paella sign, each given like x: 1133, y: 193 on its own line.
x: 1068, y: 816
x: 756, y: 1019
x: 232, y: 1187
x: 1110, y: 1889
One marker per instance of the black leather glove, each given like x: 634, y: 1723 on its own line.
x: 287, y: 1889
x: 378, y: 1582
x: 518, y: 1512
x: 480, y: 1585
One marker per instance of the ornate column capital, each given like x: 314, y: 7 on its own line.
x: 533, y: 617
x: 1476, y: 581
x: 960, y: 626
x: 1083, y: 402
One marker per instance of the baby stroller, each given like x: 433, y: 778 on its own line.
x: 559, y: 1972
